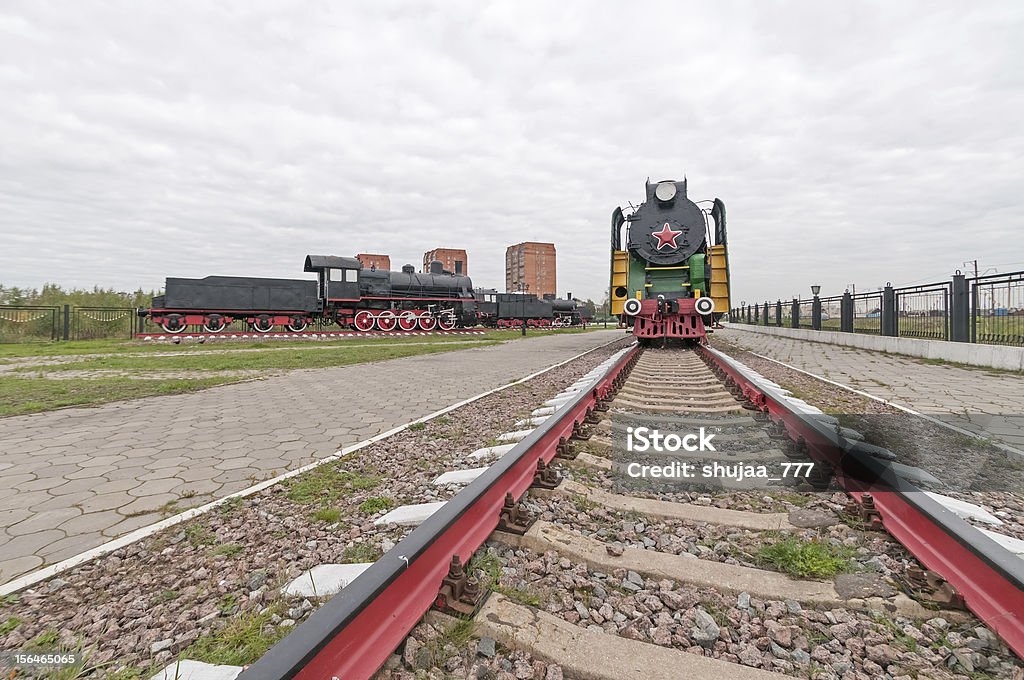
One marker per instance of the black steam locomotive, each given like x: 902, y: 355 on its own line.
x: 344, y: 293
x: 508, y: 310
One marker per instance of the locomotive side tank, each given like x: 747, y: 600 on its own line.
x: 669, y: 266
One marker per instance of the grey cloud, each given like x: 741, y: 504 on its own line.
x: 851, y: 142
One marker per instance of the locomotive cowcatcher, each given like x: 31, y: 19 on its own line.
x: 669, y: 266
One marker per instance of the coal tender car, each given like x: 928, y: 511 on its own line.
x: 345, y: 293
x: 669, y: 266
x: 508, y: 310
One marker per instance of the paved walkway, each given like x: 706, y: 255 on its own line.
x: 73, y: 479
x: 985, y: 401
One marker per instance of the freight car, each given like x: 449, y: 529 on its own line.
x: 508, y: 310
x: 669, y: 266
x: 344, y: 293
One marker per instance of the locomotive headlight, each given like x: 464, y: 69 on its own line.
x: 665, y: 191
x: 704, y: 305
x: 631, y: 307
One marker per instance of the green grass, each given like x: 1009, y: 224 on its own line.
x: 360, y: 553
x: 168, y: 596
x: 528, y: 597
x: 416, y: 427
x: 241, y: 642
x: 372, y: 506
x: 485, y: 565
x: 807, y: 559
x: 48, y: 639
x: 227, y: 549
x: 10, y: 624
x: 198, y: 534
x: 327, y: 515
x: 434, y: 653
x: 19, y: 396
x: 326, y: 484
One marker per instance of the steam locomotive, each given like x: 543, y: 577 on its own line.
x: 509, y: 310
x: 345, y: 293
x: 669, y: 266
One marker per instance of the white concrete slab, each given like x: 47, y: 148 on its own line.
x: 915, y: 474
x: 325, y: 580
x: 459, y: 476
x: 1014, y: 545
x: 544, y: 411
x: 491, y: 452
x: 197, y: 670
x: 516, y: 436
x: 410, y: 515
x: 965, y: 509
x: 559, y: 401
x: 532, y: 421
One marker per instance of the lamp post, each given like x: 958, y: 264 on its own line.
x: 816, y: 308
x: 522, y: 291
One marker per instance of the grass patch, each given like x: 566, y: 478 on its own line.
x: 230, y: 505
x: 436, y: 651
x: 374, y: 505
x: 198, y: 535
x: 488, y: 565
x: 327, y: 515
x: 48, y: 639
x: 168, y: 596
x: 527, y: 596
x: 360, y: 553
x: 23, y: 395
x: 228, y: 549
x: 244, y: 639
x: 807, y: 559
x: 416, y: 427
x: 326, y: 484
x: 10, y: 624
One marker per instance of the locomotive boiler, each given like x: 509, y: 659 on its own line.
x: 669, y: 265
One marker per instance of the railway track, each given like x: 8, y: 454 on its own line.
x: 605, y: 583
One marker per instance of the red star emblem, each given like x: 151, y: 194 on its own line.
x: 666, y: 237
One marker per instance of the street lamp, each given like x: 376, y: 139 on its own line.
x: 815, y: 290
x: 522, y: 291
x: 816, y: 309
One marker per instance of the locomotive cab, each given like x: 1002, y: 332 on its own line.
x: 337, y: 277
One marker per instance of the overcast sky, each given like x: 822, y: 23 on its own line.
x: 852, y: 142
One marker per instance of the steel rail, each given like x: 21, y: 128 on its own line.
x: 988, y: 577
x: 352, y: 634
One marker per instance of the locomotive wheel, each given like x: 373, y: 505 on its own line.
x: 363, y: 321
x: 386, y: 321
x: 262, y: 324
x: 407, y: 321
x: 426, y: 321
x: 297, y: 324
x: 173, y: 324
x: 446, y: 322
x: 214, y: 323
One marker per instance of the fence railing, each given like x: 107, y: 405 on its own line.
x: 34, y: 323
x: 986, y: 309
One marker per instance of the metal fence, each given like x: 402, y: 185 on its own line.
x: 986, y: 309
x: 28, y: 323
x: 35, y: 323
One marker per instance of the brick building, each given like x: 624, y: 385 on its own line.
x: 370, y: 260
x: 532, y: 265
x: 453, y: 259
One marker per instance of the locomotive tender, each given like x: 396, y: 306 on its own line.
x: 669, y: 270
x: 345, y: 293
